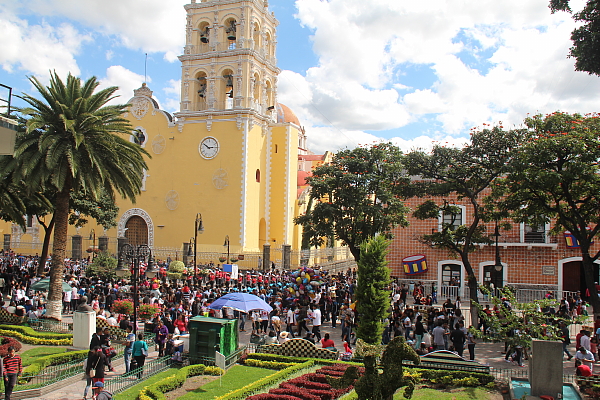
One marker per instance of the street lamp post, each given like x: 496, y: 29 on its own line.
x: 134, y: 256
x: 198, y: 227
x: 93, y: 239
x: 498, y: 263
x: 226, y: 243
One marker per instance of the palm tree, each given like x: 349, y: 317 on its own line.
x: 80, y: 147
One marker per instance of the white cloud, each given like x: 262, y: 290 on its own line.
x: 32, y: 48
x: 148, y: 25
x: 173, y: 92
x: 126, y: 80
x: 493, y: 61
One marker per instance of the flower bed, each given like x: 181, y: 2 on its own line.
x: 312, y: 386
x: 6, y: 343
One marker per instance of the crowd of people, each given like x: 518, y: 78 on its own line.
x: 299, y: 309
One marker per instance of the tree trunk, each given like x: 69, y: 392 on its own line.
x: 47, y: 233
x: 590, y: 282
x: 59, y: 250
x: 473, y: 286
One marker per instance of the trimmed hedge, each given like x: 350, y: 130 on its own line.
x: 454, y: 378
x: 288, y: 359
x: 268, y: 364
x: 156, y: 390
x: 38, y: 365
x: 260, y: 384
x: 26, y: 330
x: 25, y: 338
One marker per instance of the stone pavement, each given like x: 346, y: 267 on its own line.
x: 75, y: 390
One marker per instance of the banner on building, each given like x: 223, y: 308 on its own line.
x: 571, y: 240
x: 416, y: 264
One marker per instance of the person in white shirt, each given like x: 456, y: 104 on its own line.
x: 586, y: 357
x: 290, y: 320
x: 316, y: 321
x: 585, y: 341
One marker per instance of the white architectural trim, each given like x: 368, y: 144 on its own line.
x: 463, y: 274
x: 286, y: 185
x: 243, y: 194
x: 522, y: 233
x: 486, y: 263
x: 561, y: 264
x: 140, y: 213
x: 268, y: 177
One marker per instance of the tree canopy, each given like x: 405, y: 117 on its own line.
x: 450, y: 175
x: 73, y: 144
x: 556, y: 177
x: 359, y: 194
x: 586, y: 45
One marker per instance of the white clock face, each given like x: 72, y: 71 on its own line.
x: 209, y: 147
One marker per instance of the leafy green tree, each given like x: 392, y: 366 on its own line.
x: 555, y: 177
x: 372, y: 289
x: 80, y: 149
x: 586, y: 45
x: 520, y: 323
x: 356, y: 196
x: 465, y: 174
x: 103, y: 266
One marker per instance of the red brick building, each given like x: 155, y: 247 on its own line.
x: 531, y: 258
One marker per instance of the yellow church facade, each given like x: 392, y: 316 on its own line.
x: 232, y: 160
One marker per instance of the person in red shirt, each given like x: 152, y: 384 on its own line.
x: 12, y: 369
x: 180, y: 324
x: 326, y: 342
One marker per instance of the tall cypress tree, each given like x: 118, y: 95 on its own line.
x: 372, y: 292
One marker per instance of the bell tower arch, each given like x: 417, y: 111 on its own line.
x: 236, y: 36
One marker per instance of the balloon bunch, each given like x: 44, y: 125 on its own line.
x: 305, y: 281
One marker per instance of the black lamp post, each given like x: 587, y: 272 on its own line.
x: 93, y: 239
x: 226, y: 243
x: 498, y: 263
x: 198, y: 227
x: 135, y: 256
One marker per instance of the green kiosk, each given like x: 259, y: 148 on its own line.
x: 208, y: 335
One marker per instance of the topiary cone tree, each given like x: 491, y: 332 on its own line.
x: 372, y: 301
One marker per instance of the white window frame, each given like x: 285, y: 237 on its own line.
x: 463, y: 215
x: 522, y: 233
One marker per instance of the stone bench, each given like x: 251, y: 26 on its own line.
x: 298, y: 348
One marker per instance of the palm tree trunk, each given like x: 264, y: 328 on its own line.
x: 59, y: 250
x: 47, y: 233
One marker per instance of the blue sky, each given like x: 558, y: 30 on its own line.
x: 353, y: 71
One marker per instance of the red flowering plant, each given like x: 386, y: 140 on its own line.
x: 122, y: 307
x: 147, y: 311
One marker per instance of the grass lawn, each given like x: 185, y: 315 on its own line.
x: 469, y: 393
x: 236, y: 377
x: 31, y: 355
x: 132, y: 392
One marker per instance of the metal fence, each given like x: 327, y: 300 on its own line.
x: 50, y: 375
x: 132, y: 378
x: 229, y: 360
x: 47, y: 325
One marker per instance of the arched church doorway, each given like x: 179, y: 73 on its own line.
x: 136, y: 231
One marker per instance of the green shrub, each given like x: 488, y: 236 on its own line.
x: 156, y: 390
x: 259, y: 385
x: 289, y: 359
x: 455, y: 378
x: 26, y: 330
x: 268, y: 364
x: 38, y: 365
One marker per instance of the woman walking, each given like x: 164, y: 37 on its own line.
x: 140, y: 352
